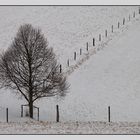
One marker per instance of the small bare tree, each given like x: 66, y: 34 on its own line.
x: 30, y: 67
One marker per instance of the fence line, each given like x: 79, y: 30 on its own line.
x: 100, y: 36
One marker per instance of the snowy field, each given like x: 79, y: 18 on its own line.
x: 67, y: 28
x: 106, y: 75
x: 34, y: 127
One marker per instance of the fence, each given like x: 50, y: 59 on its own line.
x: 95, y: 46
x: 22, y: 108
x: 107, y: 113
x: 57, y: 113
x: 75, y: 58
x: 5, y: 113
x: 58, y: 117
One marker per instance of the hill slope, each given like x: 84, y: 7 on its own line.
x: 111, y: 77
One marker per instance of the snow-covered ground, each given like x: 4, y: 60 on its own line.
x: 33, y: 127
x: 109, y: 78
x: 109, y: 75
x: 67, y: 28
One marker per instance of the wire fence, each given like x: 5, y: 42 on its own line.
x: 71, y: 64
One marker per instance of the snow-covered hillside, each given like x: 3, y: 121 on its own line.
x: 67, y: 28
x: 108, y: 78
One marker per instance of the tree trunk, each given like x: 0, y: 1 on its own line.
x: 31, y: 109
x: 30, y: 103
x: 30, y: 92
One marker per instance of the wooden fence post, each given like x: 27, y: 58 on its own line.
x: 38, y: 114
x: 106, y: 33
x: 57, y: 113
x: 60, y: 68
x: 112, y: 28
x: 99, y: 37
x: 7, y: 115
x: 118, y: 25
x: 123, y: 21
x: 21, y: 110
x: 68, y: 63
x: 134, y: 14
x: 108, y: 113
x: 93, y: 41
x: 129, y: 17
x: 80, y: 51
x: 87, y: 46
x: 74, y: 55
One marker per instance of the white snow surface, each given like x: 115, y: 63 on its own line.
x: 67, y: 28
x: 33, y: 127
x: 107, y: 75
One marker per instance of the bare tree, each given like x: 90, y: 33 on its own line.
x: 30, y: 67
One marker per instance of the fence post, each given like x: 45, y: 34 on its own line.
x: 80, y: 51
x: 87, y: 46
x: 38, y: 114
x: 112, y: 28
x: 68, y: 63
x: 99, y: 37
x: 118, y: 25
x: 139, y: 10
x: 123, y: 21
x: 106, y: 33
x: 93, y: 41
x: 134, y: 14
x: 57, y: 113
x: 21, y: 110
x: 108, y: 113
x: 74, y: 55
x: 129, y: 17
x: 60, y: 68
x: 7, y: 115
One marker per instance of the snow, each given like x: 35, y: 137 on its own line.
x: 109, y: 78
x: 107, y: 75
x: 67, y: 28
x: 33, y: 127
